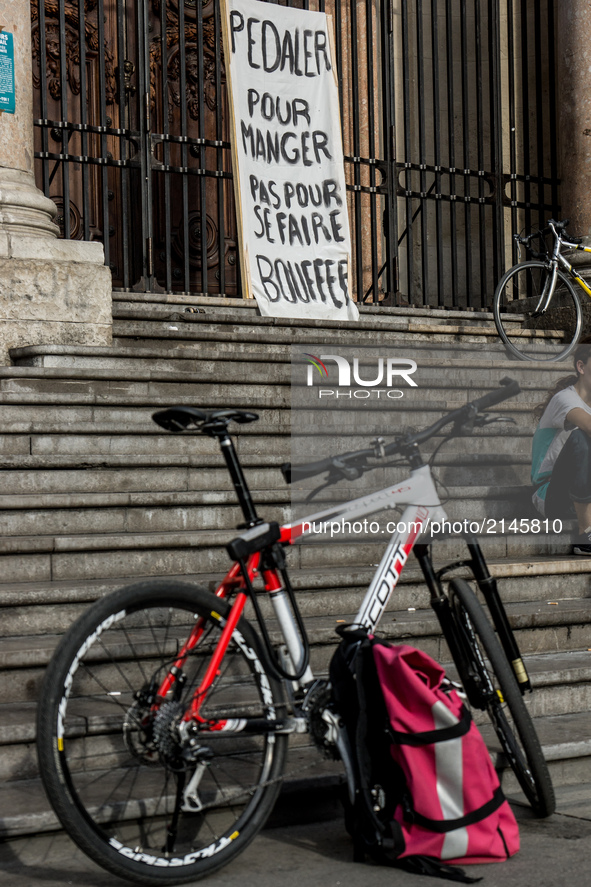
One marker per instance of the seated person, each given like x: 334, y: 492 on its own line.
x: 561, y: 450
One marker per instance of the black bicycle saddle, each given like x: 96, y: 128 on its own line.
x: 207, y: 421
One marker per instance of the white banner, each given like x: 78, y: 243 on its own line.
x: 288, y: 161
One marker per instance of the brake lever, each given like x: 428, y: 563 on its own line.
x: 348, y: 472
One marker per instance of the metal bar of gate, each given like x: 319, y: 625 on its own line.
x: 65, y: 167
x: 407, y: 147
x: 422, y: 152
x: 83, y: 118
x: 166, y: 148
x: 185, y: 179
x: 451, y: 134
x: 143, y: 30
x: 512, y: 127
x: 552, y: 110
x: 498, y: 228
x: 356, y: 152
x: 437, y: 149
x: 219, y: 134
x: 104, y: 174
x: 369, y: 32
x: 466, y: 152
x: 480, y: 61
x: 122, y: 143
x: 525, y: 112
x: 541, y: 110
x: 390, y: 213
x: 202, y: 155
x: 43, y: 85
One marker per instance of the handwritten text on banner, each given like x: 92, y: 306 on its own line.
x: 296, y: 244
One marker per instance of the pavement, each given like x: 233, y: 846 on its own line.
x: 292, y: 853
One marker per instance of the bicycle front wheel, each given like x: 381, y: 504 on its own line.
x: 527, y: 333
x: 109, y: 750
x: 489, y: 678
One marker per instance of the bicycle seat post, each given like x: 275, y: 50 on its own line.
x: 238, y: 479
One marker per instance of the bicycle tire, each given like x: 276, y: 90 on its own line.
x: 525, y: 336
x: 108, y: 761
x: 501, y: 698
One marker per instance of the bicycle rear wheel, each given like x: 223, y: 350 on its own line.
x: 548, y: 337
x: 109, y: 749
x: 490, y: 684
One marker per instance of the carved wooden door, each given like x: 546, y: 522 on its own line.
x: 131, y: 137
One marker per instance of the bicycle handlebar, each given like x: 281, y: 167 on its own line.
x: 346, y: 462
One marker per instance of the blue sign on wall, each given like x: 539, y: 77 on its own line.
x: 6, y: 72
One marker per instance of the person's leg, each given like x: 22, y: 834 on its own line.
x: 569, y: 491
x: 583, y: 511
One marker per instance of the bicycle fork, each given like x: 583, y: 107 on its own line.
x: 488, y: 586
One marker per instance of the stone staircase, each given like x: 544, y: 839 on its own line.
x: 95, y: 496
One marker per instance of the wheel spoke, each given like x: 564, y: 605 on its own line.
x: 122, y: 761
x: 530, y: 327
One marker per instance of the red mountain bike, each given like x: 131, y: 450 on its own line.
x: 164, y: 716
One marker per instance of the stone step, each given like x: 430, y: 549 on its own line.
x: 55, y: 482
x: 245, y: 308
x: 206, y: 360
x: 154, y: 510
x: 556, y: 578
x: 562, y: 626
x: 184, y: 330
x: 170, y: 387
x: 108, y: 555
x: 565, y: 741
x: 29, y: 609
x: 437, y: 325
x: 106, y: 443
x: 368, y: 317
x: 19, y: 762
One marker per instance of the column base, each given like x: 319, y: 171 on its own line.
x: 52, y: 292
x: 24, y: 209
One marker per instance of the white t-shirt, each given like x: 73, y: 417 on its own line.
x: 551, y: 435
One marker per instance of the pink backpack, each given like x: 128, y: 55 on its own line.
x: 457, y: 810
x: 428, y: 796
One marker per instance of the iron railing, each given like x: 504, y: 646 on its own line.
x: 448, y: 120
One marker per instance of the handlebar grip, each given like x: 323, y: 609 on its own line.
x: 301, y: 472
x: 509, y: 388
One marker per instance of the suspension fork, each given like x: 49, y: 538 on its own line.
x: 488, y: 586
x: 439, y: 601
x: 455, y: 639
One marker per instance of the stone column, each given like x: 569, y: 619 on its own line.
x: 51, y: 291
x: 573, y: 37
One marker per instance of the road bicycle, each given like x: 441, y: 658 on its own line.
x: 536, y: 308
x: 164, y: 716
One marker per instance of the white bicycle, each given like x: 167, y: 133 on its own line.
x: 164, y: 717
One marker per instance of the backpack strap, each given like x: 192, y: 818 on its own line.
x: 429, y: 736
x: 434, y: 868
x: 449, y: 825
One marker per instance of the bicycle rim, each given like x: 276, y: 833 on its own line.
x: 527, y: 333
x: 490, y: 680
x: 110, y: 757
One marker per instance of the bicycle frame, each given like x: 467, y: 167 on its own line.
x: 558, y: 258
x: 419, y: 495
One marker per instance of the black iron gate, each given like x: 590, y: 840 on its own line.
x: 444, y: 158
x: 476, y: 142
